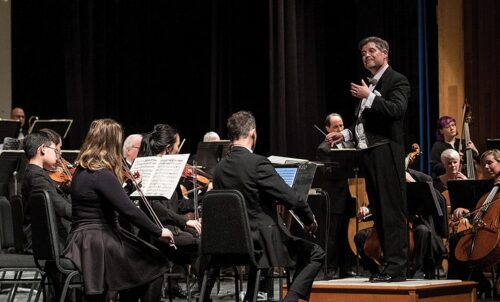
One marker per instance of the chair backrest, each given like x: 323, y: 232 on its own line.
x: 6, y: 226
x: 44, y: 227
x: 16, y: 204
x: 225, y: 236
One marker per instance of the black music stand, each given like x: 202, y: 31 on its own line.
x: 9, y: 128
x: 342, y: 164
x: 60, y: 126
x: 466, y: 193
x: 12, y: 166
x: 209, y: 154
x: 422, y: 200
x: 492, y: 143
x: 70, y: 155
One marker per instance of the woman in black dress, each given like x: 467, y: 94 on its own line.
x: 111, y: 259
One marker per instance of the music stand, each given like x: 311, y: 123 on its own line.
x: 12, y: 164
x: 209, y: 154
x: 466, y: 193
x: 340, y: 165
x: 70, y: 155
x: 422, y: 200
x: 60, y: 126
x: 9, y: 128
x: 492, y: 143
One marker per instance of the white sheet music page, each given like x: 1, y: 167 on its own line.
x: 160, y: 175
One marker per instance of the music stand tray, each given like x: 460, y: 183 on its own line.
x: 422, y: 199
x: 60, y: 126
x: 9, y: 128
x: 11, y: 161
x: 492, y: 143
x: 209, y: 154
x: 466, y: 193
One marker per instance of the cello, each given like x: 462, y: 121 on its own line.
x: 481, y: 243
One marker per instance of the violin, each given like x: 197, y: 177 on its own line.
x: 63, y: 173
x: 194, y: 175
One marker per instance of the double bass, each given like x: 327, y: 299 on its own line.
x: 480, y: 245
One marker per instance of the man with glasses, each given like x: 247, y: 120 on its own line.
x: 42, y: 154
x: 131, y: 147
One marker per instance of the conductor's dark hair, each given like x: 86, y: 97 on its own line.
x: 240, y: 124
x: 161, y: 138
x: 381, y: 44
x: 33, y: 141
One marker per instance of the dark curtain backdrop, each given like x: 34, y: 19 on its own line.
x: 482, y: 67
x: 192, y: 63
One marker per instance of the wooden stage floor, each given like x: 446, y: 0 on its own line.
x: 360, y: 289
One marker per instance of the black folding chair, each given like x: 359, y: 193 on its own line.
x: 225, y: 238
x: 16, y: 269
x: 46, y: 245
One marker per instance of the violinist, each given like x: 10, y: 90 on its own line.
x: 43, y: 152
x: 446, y: 138
x: 109, y: 258
x: 164, y: 140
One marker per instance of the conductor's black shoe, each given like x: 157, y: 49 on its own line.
x: 347, y: 274
x: 178, y: 292
x: 387, y: 278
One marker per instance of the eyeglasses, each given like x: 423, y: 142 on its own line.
x: 53, y: 148
x: 450, y: 125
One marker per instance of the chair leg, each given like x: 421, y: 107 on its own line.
x: 236, y: 284
x: 66, y: 285
x: 204, y: 286
x: 256, y: 287
x: 13, y: 289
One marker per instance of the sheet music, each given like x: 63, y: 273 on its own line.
x: 160, y: 175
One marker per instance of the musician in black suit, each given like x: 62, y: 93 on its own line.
x: 42, y: 154
x: 342, y: 207
x: 255, y: 177
x: 378, y: 131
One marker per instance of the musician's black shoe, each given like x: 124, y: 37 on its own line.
x: 347, y: 274
x: 387, y: 278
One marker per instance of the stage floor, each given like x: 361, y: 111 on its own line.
x: 360, y: 289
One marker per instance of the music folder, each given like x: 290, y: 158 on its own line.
x: 61, y: 126
x: 9, y: 128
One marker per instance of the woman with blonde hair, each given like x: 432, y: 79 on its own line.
x: 111, y: 259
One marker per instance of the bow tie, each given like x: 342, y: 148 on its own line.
x: 372, y: 81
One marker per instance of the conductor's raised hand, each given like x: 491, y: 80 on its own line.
x: 360, y: 91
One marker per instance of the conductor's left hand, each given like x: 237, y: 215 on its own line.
x: 312, y: 228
